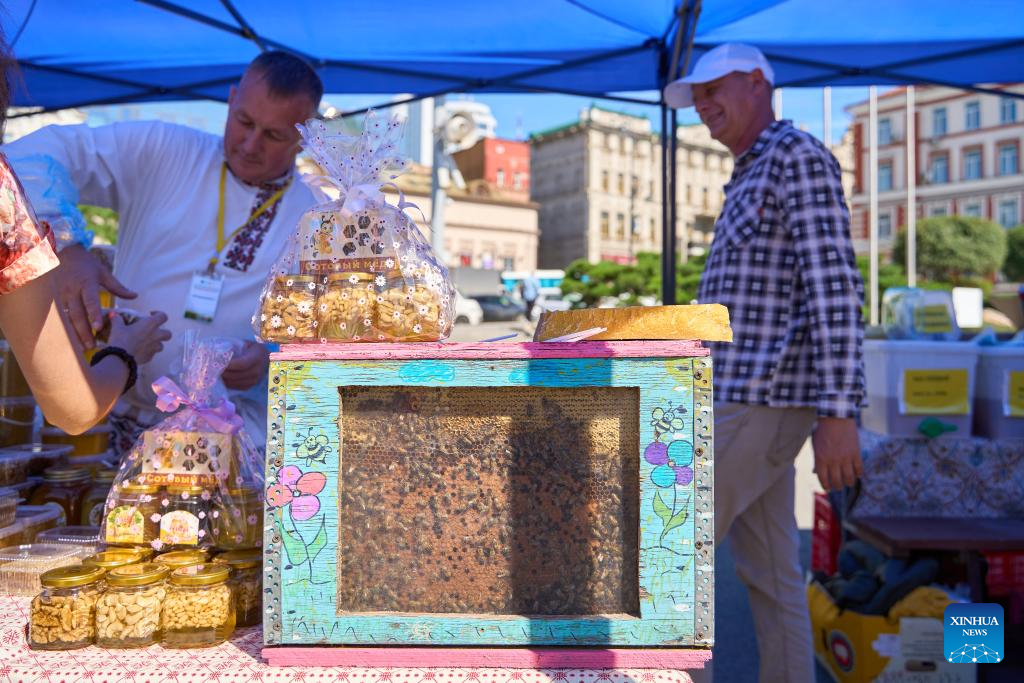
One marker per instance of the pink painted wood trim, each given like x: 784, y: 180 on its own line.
x: 497, y: 658
x: 492, y: 351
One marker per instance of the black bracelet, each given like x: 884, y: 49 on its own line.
x: 129, y: 361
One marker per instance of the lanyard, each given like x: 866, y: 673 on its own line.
x: 221, y: 242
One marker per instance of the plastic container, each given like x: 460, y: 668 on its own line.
x: 919, y: 315
x: 1000, y: 371
x: 14, y: 467
x: 95, y: 500
x: 894, y: 368
x: 239, y: 524
x: 8, y: 502
x: 43, y: 455
x: 65, y: 485
x: 96, y: 440
x: 140, y: 587
x: 63, y: 615
x: 132, y: 514
x: 26, y: 488
x: 85, y: 536
x: 112, y: 559
x: 184, y: 521
x: 247, y: 582
x: 11, y: 534
x: 17, y: 420
x: 199, y: 610
x: 181, y: 558
x: 38, y: 518
x: 12, y: 380
x: 95, y: 462
x: 22, y: 565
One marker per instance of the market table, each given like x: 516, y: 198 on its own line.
x: 239, y: 660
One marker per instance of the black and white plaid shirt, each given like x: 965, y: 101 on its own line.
x: 782, y: 262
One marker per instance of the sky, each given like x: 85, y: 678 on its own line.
x: 517, y: 115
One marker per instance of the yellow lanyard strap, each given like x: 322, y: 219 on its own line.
x: 221, y: 242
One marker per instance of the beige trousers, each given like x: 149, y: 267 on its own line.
x: 755, y: 447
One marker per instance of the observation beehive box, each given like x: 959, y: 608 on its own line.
x: 454, y: 497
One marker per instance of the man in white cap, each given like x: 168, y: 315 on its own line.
x: 783, y: 263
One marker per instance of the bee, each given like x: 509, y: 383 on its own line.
x: 666, y: 421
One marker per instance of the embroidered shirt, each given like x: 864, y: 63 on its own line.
x: 26, y: 249
x: 782, y: 262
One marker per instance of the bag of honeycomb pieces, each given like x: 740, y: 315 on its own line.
x: 357, y: 268
x: 193, y: 480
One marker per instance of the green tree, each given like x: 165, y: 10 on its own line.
x: 103, y: 222
x: 1013, y: 267
x: 955, y: 249
x: 594, y: 281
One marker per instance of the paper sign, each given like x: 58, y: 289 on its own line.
x: 934, y: 392
x: 1013, y: 405
x: 932, y: 319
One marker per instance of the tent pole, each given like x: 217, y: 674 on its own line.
x: 911, y: 172
x: 673, y: 206
x: 826, y: 114
x: 668, y: 280
x: 873, y: 197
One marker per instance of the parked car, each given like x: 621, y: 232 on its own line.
x: 550, y: 302
x: 499, y: 307
x: 467, y: 311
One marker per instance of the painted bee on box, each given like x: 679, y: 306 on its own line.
x: 315, y: 447
x: 667, y: 421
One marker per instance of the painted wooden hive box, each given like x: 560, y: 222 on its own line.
x: 449, y: 495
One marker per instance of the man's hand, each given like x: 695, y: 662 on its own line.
x: 837, y: 452
x: 247, y: 367
x: 79, y: 279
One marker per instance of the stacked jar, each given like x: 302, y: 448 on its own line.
x: 200, y: 609
x: 62, y: 616
x: 65, y: 485
x: 17, y: 406
x: 238, y: 520
x: 95, y: 499
x: 184, y: 515
x: 131, y: 514
x: 109, y: 560
x: 128, y: 613
x: 246, y: 579
x: 181, y: 558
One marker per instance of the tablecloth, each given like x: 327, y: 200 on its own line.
x: 239, y: 660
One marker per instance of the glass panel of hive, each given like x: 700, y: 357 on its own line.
x: 489, y: 500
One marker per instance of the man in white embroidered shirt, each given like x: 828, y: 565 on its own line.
x: 173, y: 186
x: 783, y: 263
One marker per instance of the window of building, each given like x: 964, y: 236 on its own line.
x: 884, y: 226
x: 1007, y: 110
x: 1009, y: 214
x: 604, y: 180
x: 972, y: 209
x: 654, y: 231
x: 938, y: 121
x: 608, y: 141
x: 704, y: 201
x: 634, y: 186
x: 937, y: 211
x: 1008, y: 159
x: 465, y: 259
x: 517, y: 180
x: 972, y: 165
x: 620, y: 228
x: 885, y: 177
x: 884, y: 133
x: 606, y: 229
x: 650, y: 189
x: 940, y: 169
x: 689, y: 193
x: 972, y: 115
x: 621, y: 184
x: 508, y: 263
x: 500, y: 179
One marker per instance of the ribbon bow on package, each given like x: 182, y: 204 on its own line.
x: 357, y: 268
x: 196, y: 478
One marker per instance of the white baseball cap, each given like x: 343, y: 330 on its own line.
x: 714, y: 64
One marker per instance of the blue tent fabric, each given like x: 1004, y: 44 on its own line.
x: 74, y: 53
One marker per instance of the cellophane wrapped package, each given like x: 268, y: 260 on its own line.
x: 195, y: 480
x: 357, y: 269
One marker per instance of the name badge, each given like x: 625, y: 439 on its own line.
x: 203, y: 296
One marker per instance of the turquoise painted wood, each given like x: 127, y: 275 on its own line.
x: 676, y: 505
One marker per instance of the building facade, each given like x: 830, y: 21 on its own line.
x: 597, y: 182
x: 968, y: 158
x: 505, y: 164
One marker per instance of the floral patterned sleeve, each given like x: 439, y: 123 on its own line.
x: 26, y: 246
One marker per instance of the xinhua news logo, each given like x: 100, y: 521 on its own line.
x: 973, y: 633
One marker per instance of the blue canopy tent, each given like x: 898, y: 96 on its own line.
x: 75, y: 54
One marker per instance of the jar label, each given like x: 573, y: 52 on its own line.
x: 125, y: 524
x: 179, y: 528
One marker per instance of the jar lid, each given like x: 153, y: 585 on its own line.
x: 108, y: 559
x: 200, y: 575
x: 104, y: 476
x: 50, y: 449
x: 130, y: 487
x: 66, y: 474
x: 241, y: 559
x: 181, y: 558
x: 70, y: 577
x: 137, y: 574
x: 178, y: 489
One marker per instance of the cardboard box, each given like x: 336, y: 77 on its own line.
x: 857, y: 648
